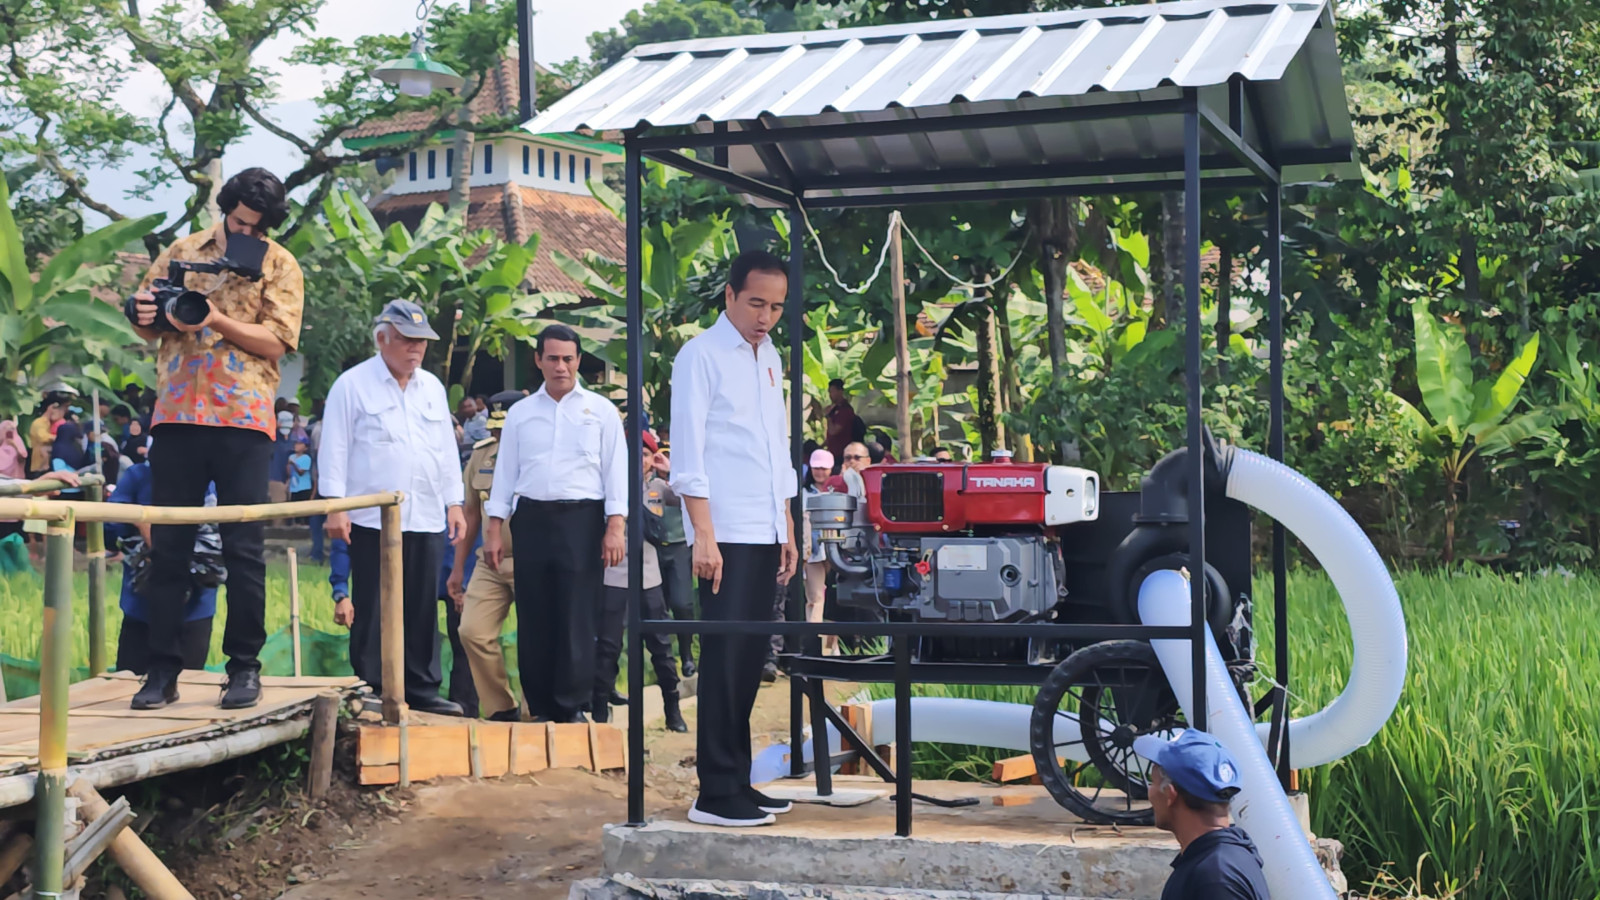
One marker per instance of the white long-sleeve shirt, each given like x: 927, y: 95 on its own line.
x: 567, y: 450
x: 377, y: 437
x: 730, y: 435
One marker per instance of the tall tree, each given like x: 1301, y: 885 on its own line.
x: 65, y: 63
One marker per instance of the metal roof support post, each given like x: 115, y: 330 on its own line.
x: 1280, y: 564
x: 633, y: 168
x: 797, y: 302
x: 1195, y: 401
x: 1028, y: 192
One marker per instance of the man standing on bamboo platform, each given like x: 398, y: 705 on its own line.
x: 388, y: 428
x: 562, y: 481
x: 486, y: 599
x: 732, y: 468
x: 215, y: 382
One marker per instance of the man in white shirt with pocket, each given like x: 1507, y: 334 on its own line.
x: 387, y: 427
x: 731, y: 466
x: 562, y: 480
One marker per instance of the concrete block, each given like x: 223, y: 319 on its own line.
x: 629, y: 887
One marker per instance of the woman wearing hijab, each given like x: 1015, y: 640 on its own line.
x: 13, y: 465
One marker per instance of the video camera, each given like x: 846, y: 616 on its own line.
x: 176, y: 303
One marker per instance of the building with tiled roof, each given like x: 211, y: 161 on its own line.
x: 521, y: 184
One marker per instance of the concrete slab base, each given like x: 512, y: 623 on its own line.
x: 1034, y: 847
x: 625, y: 887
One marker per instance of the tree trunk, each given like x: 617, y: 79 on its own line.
x: 990, y: 433
x: 1224, y: 307
x: 902, y: 353
x: 1054, y: 222
x: 1010, y: 386
x: 1168, y: 311
x: 1455, y: 150
x: 214, y: 173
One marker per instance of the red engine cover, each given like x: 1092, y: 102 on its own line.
x: 919, y: 498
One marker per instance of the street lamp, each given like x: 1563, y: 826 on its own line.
x: 415, y: 74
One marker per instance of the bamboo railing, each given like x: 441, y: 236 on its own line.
x: 55, y: 654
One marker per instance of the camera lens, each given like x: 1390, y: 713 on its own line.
x: 189, y: 307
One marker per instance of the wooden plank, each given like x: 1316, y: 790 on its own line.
x: 1013, y: 799
x: 436, y: 751
x: 610, y: 749
x: 1014, y: 768
x: 529, y: 751
x: 371, y: 775
x: 568, y: 745
x: 197, y: 676
x: 97, y: 713
x: 494, y: 748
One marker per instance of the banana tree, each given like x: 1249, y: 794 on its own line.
x: 51, y: 316
x: 680, y: 296
x: 1462, y: 416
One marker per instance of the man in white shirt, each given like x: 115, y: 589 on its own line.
x: 562, y: 481
x: 386, y: 427
x: 732, y: 469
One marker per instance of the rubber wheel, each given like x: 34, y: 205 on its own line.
x: 1118, y: 692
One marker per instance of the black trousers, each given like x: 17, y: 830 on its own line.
x: 183, y: 460
x: 422, y: 554
x: 133, y: 644
x: 613, y: 616
x: 677, y: 584
x: 559, y: 575
x: 730, y: 665
x: 462, y: 690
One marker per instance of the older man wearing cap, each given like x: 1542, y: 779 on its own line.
x: 485, y: 599
x: 1191, y: 781
x: 387, y: 427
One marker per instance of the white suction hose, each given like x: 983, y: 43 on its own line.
x: 1260, y: 807
x: 1377, y: 624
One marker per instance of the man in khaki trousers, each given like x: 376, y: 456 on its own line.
x: 487, y: 599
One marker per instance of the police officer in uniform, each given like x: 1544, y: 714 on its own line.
x: 485, y: 600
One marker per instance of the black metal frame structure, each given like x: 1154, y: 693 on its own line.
x: 1198, y: 118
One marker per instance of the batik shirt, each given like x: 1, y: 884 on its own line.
x: 202, y: 379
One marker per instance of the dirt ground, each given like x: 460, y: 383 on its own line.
x: 497, y: 839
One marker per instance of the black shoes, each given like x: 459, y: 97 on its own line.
x: 688, y: 668
x: 601, y: 712
x: 767, y: 804
x: 617, y: 698
x: 160, y: 689
x: 769, y: 673
x: 436, y: 705
x: 737, y: 811
x: 674, y: 716
x: 242, y: 691
x: 507, y: 715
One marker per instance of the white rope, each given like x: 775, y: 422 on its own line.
x: 876, y: 270
x: 883, y: 255
x: 958, y: 282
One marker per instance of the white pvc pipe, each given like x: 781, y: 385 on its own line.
x: 1260, y: 808
x: 1377, y: 624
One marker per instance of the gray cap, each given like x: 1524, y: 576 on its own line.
x: 408, y: 319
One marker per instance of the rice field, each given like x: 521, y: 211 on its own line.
x: 1486, y: 782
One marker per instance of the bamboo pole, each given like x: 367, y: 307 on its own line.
x: 902, y: 354
x: 55, y: 660
x: 84, y: 511
x: 294, y: 608
x: 131, y: 854
x: 391, y: 617
x: 45, y: 485
x: 97, y: 588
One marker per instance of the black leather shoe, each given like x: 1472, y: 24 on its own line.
x: 617, y: 699
x: 689, y: 668
x: 242, y: 691
x: 506, y: 715
x: 769, y: 673
x: 160, y: 689
x: 437, y: 705
x: 674, y: 716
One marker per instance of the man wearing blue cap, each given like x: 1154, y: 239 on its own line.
x: 1191, y: 781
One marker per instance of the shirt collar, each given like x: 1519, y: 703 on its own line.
x: 213, y: 237
x: 730, y: 336
x: 577, y: 388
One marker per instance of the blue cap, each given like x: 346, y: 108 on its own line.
x: 1194, y: 761
x: 407, y: 318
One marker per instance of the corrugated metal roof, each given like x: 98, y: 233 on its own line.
x: 1283, y: 49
